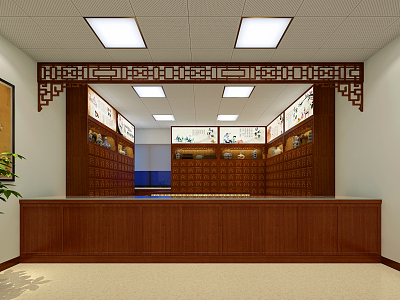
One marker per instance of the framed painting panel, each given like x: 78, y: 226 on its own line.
x: 7, y: 123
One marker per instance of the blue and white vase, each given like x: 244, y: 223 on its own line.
x: 227, y: 155
x: 99, y: 141
x: 272, y: 152
x: 296, y: 142
x: 310, y: 137
x: 255, y: 154
x: 178, y: 155
x: 106, y: 144
x: 90, y: 136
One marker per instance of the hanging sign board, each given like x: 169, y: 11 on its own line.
x: 101, y: 111
x: 242, y: 135
x: 194, y: 135
x: 126, y: 129
x: 275, y: 129
x: 300, y: 110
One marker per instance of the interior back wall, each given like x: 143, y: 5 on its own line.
x: 368, y: 143
x: 40, y: 137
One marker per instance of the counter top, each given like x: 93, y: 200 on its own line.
x: 200, y: 198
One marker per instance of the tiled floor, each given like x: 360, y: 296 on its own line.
x: 200, y: 281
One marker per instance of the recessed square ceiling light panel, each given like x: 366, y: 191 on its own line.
x: 237, y: 91
x: 164, y: 117
x: 149, y: 91
x: 261, y: 32
x: 227, y: 117
x: 117, y: 32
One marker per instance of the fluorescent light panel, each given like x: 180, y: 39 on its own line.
x: 117, y: 32
x: 149, y: 91
x: 237, y: 91
x: 227, y: 117
x: 261, y: 32
x: 164, y: 117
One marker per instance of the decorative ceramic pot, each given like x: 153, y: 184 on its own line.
x: 199, y: 156
x: 228, y: 154
x: 178, y: 155
x: 90, y: 136
x: 99, y: 141
x: 310, y: 137
x: 296, y: 142
x: 255, y: 154
x: 240, y: 156
x: 106, y: 144
x: 125, y: 151
x: 278, y: 151
x: 272, y: 152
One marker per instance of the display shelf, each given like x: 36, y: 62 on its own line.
x: 247, y: 150
x: 94, y: 170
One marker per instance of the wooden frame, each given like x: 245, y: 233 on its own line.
x: 7, y: 122
x: 347, y: 78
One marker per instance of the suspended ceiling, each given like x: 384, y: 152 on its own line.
x: 201, y: 31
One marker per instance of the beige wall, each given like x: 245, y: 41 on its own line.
x: 39, y: 137
x: 368, y: 143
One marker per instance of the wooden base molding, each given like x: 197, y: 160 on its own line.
x: 9, y: 263
x: 390, y: 263
x: 203, y: 259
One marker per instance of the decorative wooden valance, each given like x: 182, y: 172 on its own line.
x: 347, y: 78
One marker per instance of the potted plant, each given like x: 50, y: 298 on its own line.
x: 5, y: 170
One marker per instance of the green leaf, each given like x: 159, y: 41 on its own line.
x: 7, y: 193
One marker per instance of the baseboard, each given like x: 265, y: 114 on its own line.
x: 390, y: 263
x: 199, y: 259
x: 9, y: 263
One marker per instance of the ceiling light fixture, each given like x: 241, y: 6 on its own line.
x: 261, y: 32
x: 237, y: 91
x: 149, y: 91
x: 227, y: 117
x: 164, y: 117
x: 117, y: 32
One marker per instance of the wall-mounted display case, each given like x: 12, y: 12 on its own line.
x: 101, y: 111
x: 275, y: 128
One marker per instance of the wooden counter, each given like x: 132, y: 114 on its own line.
x: 201, y: 230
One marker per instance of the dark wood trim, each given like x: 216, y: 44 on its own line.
x: 9, y: 263
x: 390, y: 263
x: 201, y: 259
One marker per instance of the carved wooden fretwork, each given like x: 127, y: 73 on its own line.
x: 346, y: 77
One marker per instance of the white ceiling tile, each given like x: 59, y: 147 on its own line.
x: 226, y: 110
x: 120, y: 90
x: 211, y: 55
x: 357, y: 32
x: 8, y: 8
x: 23, y: 32
x: 155, y: 102
x: 165, y: 32
x: 130, y: 55
x: 261, y: 91
x: 255, y: 111
x: 160, y: 110
x: 226, y: 123
x: 336, y: 55
x: 180, y: 95
x: 99, y: 90
x: 309, y: 32
x: 149, y: 124
x: 46, y: 55
x: 379, y: 8
x: 181, y: 102
x: 165, y: 124
x: 271, y: 8
x: 48, y: 8
x: 129, y: 102
x: 327, y: 7
x: 96, y: 8
x: 208, y: 32
x: 293, y: 55
x: 236, y: 103
x: 157, y: 8
x: 292, y: 92
x: 88, y: 55
x: 221, y: 8
x: 184, y: 111
x: 364, y: 54
x: 385, y: 37
x: 208, y: 95
x: 69, y: 32
x: 141, y: 114
x: 170, y: 55
x: 252, y: 55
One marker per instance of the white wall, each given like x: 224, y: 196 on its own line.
x: 368, y: 143
x: 40, y: 137
x: 153, y: 136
